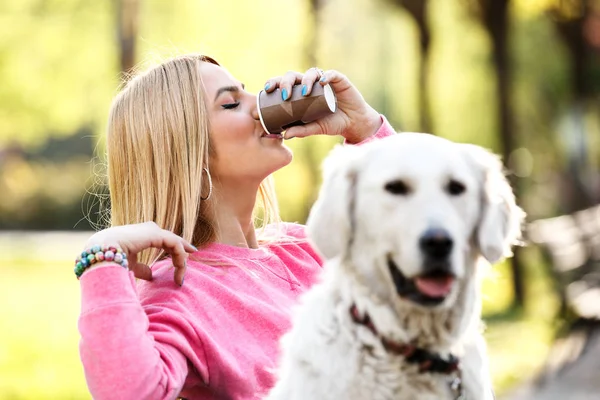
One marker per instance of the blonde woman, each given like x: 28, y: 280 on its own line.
x: 187, y: 161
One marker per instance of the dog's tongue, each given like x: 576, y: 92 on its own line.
x: 438, y: 286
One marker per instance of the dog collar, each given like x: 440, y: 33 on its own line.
x: 426, y: 360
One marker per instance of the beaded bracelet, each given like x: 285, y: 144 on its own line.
x: 99, y: 253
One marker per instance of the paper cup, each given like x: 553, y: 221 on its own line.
x: 277, y: 115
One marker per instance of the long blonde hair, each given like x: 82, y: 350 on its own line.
x: 158, y: 145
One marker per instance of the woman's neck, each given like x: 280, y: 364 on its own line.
x: 233, y: 208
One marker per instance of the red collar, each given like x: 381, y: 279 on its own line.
x: 427, y: 361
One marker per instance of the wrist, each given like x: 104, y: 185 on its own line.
x: 100, y: 265
x: 371, y: 124
x: 99, y: 254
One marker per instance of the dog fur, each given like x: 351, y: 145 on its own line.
x: 358, y: 225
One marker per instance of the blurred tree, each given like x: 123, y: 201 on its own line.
x: 418, y: 10
x: 494, y: 16
x: 57, y: 73
x: 571, y: 19
x: 55, y: 66
x: 127, y: 26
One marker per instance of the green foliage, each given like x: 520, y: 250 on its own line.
x: 57, y: 67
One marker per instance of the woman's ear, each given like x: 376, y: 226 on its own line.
x: 329, y: 222
x: 501, y: 219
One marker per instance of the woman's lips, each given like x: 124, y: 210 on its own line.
x: 272, y: 135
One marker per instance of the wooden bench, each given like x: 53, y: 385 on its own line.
x: 571, y: 245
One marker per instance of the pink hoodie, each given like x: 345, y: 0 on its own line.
x: 216, y: 337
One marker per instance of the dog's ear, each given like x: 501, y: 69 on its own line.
x: 499, y: 226
x: 329, y: 223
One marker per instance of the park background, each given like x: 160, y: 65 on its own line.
x: 521, y: 77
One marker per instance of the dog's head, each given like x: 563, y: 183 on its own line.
x: 412, y: 211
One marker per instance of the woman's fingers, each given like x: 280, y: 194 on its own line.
x: 180, y: 274
x: 177, y: 248
x: 284, y: 83
x: 308, y: 80
x: 138, y: 237
x: 290, y: 79
x: 140, y: 270
x: 310, y: 129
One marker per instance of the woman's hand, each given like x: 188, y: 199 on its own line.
x: 137, y: 237
x: 354, y: 119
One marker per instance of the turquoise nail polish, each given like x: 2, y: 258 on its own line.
x: 267, y: 86
x: 322, y: 78
x: 284, y: 94
x: 304, y: 90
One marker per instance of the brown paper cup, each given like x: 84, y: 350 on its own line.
x: 277, y: 115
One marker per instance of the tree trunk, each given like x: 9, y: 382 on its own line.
x: 496, y: 20
x: 127, y: 13
x: 424, y: 105
x: 571, y: 31
x: 418, y: 10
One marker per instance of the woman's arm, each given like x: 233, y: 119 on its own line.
x: 121, y: 356
x: 126, y: 354
x: 384, y: 130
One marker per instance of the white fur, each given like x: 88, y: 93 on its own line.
x: 356, y: 224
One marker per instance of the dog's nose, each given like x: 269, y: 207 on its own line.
x: 436, y: 243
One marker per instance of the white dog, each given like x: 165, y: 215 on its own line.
x: 402, y: 223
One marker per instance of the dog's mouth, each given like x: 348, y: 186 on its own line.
x: 428, y: 289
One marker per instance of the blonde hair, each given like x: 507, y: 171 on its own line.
x: 158, y: 144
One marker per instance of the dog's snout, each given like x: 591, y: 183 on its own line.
x: 436, y: 243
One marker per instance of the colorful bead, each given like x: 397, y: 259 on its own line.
x: 98, y: 253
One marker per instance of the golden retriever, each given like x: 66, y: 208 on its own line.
x: 403, y: 224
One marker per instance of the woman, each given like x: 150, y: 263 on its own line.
x: 187, y: 157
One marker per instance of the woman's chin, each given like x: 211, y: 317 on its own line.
x: 286, y: 159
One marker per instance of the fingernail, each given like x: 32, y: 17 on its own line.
x: 284, y: 94
x: 323, y: 79
x: 182, y: 279
x: 304, y: 90
x: 194, y: 247
x: 267, y: 86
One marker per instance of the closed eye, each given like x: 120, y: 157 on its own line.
x: 398, y: 187
x: 230, y: 105
x: 455, y: 187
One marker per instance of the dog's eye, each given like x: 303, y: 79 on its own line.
x: 455, y: 187
x: 397, y: 187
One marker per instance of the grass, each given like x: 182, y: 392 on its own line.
x: 519, y: 340
x: 39, y: 306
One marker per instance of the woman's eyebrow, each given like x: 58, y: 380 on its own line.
x: 234, y: 89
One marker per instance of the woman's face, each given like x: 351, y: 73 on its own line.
x: 243, y: 154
